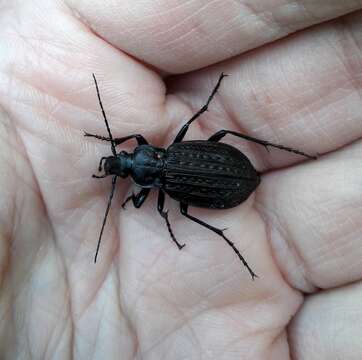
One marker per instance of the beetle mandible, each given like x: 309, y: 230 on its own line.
x: 201, y: 173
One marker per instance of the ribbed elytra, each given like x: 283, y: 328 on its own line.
x: 218, y: 176
x: 201, y: 173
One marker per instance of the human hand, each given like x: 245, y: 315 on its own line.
x: 300, y: 232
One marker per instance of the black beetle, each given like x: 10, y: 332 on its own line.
x: 201, y: 173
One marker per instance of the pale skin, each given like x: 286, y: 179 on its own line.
x: 144, y: 299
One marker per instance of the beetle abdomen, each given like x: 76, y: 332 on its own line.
x: 208, y: 174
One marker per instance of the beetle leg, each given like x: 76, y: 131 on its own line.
x: 138, y: 199
x: 140, y: 139
x: 184, y: 129
x: 220, y: 134
x: 184, y: 211
x: 164, y: 214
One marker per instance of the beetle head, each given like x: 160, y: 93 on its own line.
x: 119, y: 165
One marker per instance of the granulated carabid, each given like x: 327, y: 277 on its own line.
x: 201, y: 173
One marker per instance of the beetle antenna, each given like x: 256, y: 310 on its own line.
x: 113, y: 147
x: 114, y: 179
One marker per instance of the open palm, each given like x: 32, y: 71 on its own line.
x: 145, y: 299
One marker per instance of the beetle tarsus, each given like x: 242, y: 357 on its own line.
x: 99, y: 137
x: 164, y: 214
x: 126, y: 201
x: 254, y: 276
x: 180, y: 246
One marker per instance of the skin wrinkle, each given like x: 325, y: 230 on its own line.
x: 281, y: 25
x: 356, y: 86
x: 186, y: 319
x: 228, y: 346
x: 206, y: 297
x: 281, y: 230
x: 266, y: 17
x: 95, y: 294
x: 150, y: 229
x: 173, y: 44
x: 187, y: 274
x: 280, y: 333
x: 6, y: 237
x: 128, y: 317
x: 269, y: 242
x: 192, y: 29
x: 142, y: 294
x: 169, y: 302
x: 170, y: 332
x: 63, y: 332
x: 45, y: 139
x: 150, y: 281
x: 315, y: 103
x: 188, y: 18
x: 227, y: 28
x: 66, y: 234
x: 18, y: 176
x: 252, y: 332
x: 193, y: 335
x: 303, y: 6
x: 168, y: 10
x: 307, y: 271
x: 216, y: 289
x: 31, y: 276
x: 121, y: 308
x: 16, y: 207
x: 93, y: 352
x: 51, y: 335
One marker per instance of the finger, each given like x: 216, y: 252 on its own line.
x: 313, y: 214
x: 180, y: 36
x: 336, y: 315
x: 303, y: 92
